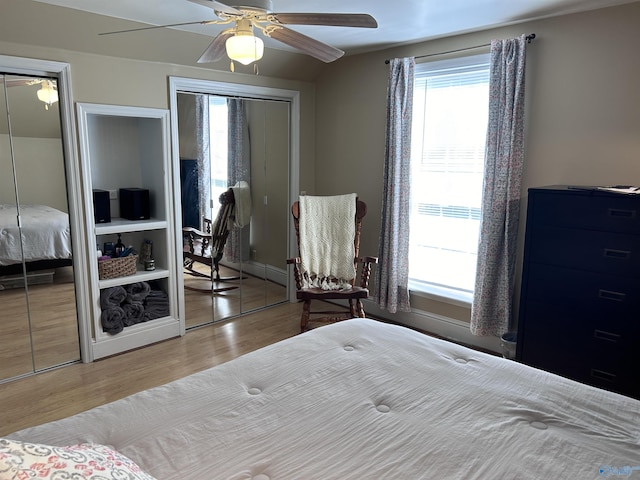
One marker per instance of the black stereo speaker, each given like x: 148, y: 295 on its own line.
x: 134, y: 203
x: 101, y: 206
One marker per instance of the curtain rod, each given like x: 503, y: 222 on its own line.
x: 529, y: 39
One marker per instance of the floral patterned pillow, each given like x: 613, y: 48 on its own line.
x: 21, y: 460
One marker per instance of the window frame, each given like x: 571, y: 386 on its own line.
x: 464, y: 63
x: 218, y: 184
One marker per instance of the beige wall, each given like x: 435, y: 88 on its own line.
x: 134, y: 70
x: 583, y: 119
x: 119, y: 81
x: 583, y: 113
x: 36, y: 148
x: 39, y: 170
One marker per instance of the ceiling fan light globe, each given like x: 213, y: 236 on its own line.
x: 244, y: 48
x: 47, y: 94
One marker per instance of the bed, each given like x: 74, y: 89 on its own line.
x: 362, y: 399
x: 46, y: 237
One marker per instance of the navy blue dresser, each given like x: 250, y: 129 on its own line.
x: 580, y: 299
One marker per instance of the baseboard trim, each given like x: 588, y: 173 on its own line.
x: 449, y: 328
x: 260, y: 270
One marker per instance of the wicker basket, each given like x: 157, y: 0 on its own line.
x: 117, y: 267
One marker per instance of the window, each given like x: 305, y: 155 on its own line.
x: 218, y: 143
x: 450, y: 115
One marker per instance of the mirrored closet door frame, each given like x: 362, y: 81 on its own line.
x: 179, y: 85
x: 62, y: 72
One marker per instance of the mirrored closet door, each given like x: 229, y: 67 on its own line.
x: 38, y: 317
x: 237, y: 148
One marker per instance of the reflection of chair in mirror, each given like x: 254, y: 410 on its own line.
x: 206, y: 247
x: 328, y: 233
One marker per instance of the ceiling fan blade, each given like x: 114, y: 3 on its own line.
x: 362, y: 20
x: 22, y: 82
x: 202, y: 22
x: 308, y: 45
x: 216, y: 49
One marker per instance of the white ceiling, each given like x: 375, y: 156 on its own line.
x: 399, y: 21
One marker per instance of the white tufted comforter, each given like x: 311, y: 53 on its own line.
x: 366, y: 400
x: 45, y: 234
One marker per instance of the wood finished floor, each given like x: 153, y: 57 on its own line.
x: 68, y: 390
x: 58, y: 393
x: 54, y: 327
x: 202, y: 308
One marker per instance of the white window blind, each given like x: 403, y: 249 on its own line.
x: 218, y: 149
x: 450, y: 112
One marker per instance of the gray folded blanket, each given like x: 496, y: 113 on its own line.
x: 156, y: 305
x: 134, y: 312
x: 137, y: 292
x: 112, y: 320
x: 155, y: 312
x: 112, y: 297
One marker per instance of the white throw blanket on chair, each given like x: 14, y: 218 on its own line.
x: 242, y: 196
x: 327, y: 230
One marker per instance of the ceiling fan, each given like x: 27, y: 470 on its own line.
x: 240, y: 43
x: 48, y: 92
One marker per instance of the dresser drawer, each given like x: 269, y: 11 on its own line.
x: 605, y: 301
x: 577, y: 329
x: 553, y: 339
x: 607, y: 252
x: 585, y: 209
x: 561, y: 341
x: 613, y: 366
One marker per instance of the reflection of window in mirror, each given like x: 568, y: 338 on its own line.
x: 218, y: 148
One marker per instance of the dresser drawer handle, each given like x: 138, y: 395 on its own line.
x: 609, y: 295
x: 601, y: 375
x: 620, y: 213
x: 621, y: 254
x: 602, y: 335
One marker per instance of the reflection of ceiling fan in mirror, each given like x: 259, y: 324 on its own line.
x: 240, y: 43
x: 47, y: 93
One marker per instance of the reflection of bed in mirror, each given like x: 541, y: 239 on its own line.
x: 46, y: 238
x: 38, y: 160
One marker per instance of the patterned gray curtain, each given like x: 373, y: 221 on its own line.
x: 391, y: 291
x: 204, y: 157
x: 504, y: 158
x: 237, y: 248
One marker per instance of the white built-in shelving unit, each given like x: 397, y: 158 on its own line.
x: 129, y: 147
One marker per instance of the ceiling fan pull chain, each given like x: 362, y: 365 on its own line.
x: 255, y: 69
x: 232, y: 67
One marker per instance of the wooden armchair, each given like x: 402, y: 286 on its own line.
x: 206, y: 247
x: 353, y: 296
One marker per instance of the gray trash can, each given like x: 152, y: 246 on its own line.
x: 508, y: 345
